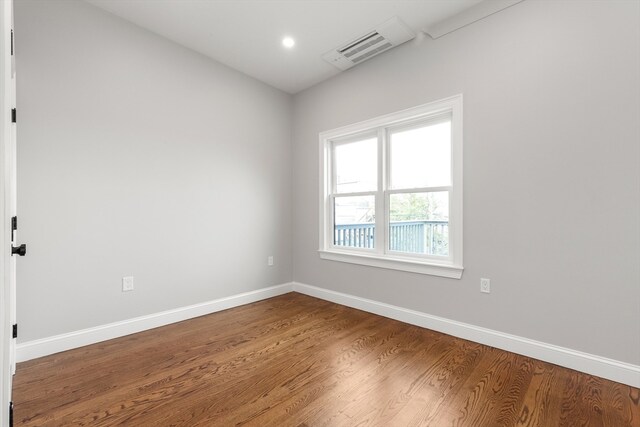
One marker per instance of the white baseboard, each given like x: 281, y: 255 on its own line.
x: 46, y: 346
x: 614, y: 370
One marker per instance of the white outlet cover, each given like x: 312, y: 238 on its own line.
x: 485, y: 286
x: 127, y: 284
x: 270, y: 260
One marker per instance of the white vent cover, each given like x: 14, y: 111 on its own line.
x: 389, y: 34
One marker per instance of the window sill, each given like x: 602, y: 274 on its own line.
x: 403, y: 264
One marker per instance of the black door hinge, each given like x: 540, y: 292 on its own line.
x: 10, y: 414
x: 12, y: 42
x: 15, y: 330
x: 13, y: 115
x: 14, y: 226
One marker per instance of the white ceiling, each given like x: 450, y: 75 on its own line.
x: 246, y: 34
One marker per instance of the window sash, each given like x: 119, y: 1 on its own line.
x: 333, y: 225
x: 360, y: 136
x: 411, y: 125
x: 382, y: 196
x: 387, y: 224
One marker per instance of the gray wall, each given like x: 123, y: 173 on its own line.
x: 551, y: 176
x: 139, y: 157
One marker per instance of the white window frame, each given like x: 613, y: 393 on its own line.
x: 380, y: 256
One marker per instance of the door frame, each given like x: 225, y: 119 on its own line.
x: 6, y: 91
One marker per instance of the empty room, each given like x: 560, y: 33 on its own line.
x: 320, y: 213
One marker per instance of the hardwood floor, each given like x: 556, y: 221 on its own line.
x: 298, y: 361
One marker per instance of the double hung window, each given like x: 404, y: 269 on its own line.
x: 391, y: 191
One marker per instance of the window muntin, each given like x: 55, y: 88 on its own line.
x: 419, y: 158
x: 408, y: 215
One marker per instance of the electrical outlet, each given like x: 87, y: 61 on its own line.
x: 270, y: 261
x: 485, y: 286
x: 127, y: 284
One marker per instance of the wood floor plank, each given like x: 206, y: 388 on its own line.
x: 298, y: 361
x: 536, y: 400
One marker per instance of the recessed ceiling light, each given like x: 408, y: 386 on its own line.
x: 288, y: 42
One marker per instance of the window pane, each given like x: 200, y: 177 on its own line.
x: 356, y: 165
x: 421, y: 157
x: 354, y: 221
x: 419, y: 223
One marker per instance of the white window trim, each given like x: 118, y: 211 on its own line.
x: 451, y: 267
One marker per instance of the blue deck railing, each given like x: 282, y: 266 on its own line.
x: 422, y: 237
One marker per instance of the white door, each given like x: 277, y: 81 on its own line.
x: 17, y: 249
x: 8, y: 236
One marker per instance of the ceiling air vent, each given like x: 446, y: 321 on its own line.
x: 389, y: 34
